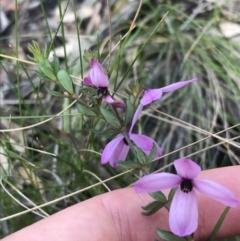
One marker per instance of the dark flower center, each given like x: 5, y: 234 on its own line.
x: 186, y: 185
x: 125, y: 141
x: 102, y: 91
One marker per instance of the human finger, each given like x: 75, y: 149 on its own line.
x: 116, y: 216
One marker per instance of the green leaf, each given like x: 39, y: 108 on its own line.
x: 89, y: 90
x: 110, y: 117
x: 218, y: 224
x: 55, y: 64
x: 94, y: 100
x: 129, y: 112
x: 54, y: 93
x: 171, y: 194
x: 41, y: 75
x: 100, y: 124
x: 47, y: 71
x: 152, y: 205
x: 152, y: 153
x: 158, y: 196
x: 46, y: 51
x: 47, y: 63
x: 152, y: 208
x: 168, y: 236
x: 35, y: 50
x: 65, y: 80
x: 170, y: 197
x: 88, y: 55
x: 140, y: 155
x: 110, y: 132
x: 129, y: 164
x: 85, y: 110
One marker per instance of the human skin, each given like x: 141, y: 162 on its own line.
x: 116, y: 216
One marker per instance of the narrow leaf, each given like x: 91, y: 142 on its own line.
x: 158, y: 196
x: 85, y: 110
x: 88, y: 55
x: 170, y: 197
x: 54, y: 93
x: 168, y: 236
x: 129, y: 164
x: 218, y: 224
x: 129, y: 112
x: 110, y: 117
x: 152, y: 205
x: 171, y: 194
x: 46, y: 71
x: 110, y: 132
x: 153, y: 208
x: 93, y: 100
x: 65, y: 80
x: 55, y: 64
x: 152, y: 153
x: 47, y: 63
x: 35, y: 50
x: 89, y: 90
x: 41, y: 75
x: 140, y: 155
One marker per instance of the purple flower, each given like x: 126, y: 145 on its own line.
x: 99, y: 79
x: 183, y: 214
x: 151, y: 95
x: 117, y: 149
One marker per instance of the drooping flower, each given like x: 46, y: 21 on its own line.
x: 183, y: 214
x: 117, y: 149
x: 98, y: 78
x: 151, y: 95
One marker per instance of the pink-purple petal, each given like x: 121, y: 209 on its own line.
x: 156, y: 182
x: 97, y: 74
x: 135, y: 117
x: 115, y: 150
x: 151, y: 95
x: 117, y: 103
x: 87, y: 81
x: 183, y: 214
x: 187, y: 168
x: 216, y: 192
x: 145, y: 143
x: 177, y: 85
x: 121, y: 155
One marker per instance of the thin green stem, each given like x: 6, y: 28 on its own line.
x: 48, y: 27
x: 79, y: 40
x: 16, y: 54
x: 218, y: 224
x: 110, y: 32
x: 66, y: 118
x: 143, y: 46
